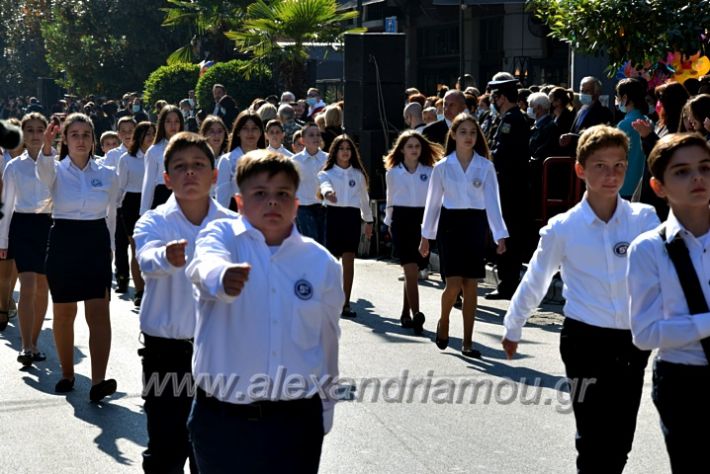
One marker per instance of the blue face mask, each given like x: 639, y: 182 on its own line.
x: 585, y: 99
x: 439, y: 116
x: 136, y: 108
x: 311, y: 101
x: 622, y: 108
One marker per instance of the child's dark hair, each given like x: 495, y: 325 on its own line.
x: 183, y: 140
x: 597, y: 137
x: 33, y: 116
x: 265, y: 161
x: 481, y: 145
x: 661, y: 155
x: 139, y: 134
x: 355, y: 160
x: 634, y: 91
x: 162, y: 117
x: 68, y: 122
x: 431, y: 152
x: 274, y: 123
x: 207, y: 123
x: 239, y: 123
x: 125, y: 119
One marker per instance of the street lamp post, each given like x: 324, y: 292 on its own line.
x: 462, y: 7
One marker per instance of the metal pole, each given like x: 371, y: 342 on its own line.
x: 359, y: 10
x: 461, y: 56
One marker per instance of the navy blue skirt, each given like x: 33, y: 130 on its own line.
x: 406, y: 230
x: 461, y: 237
x: 79, y: 260
x: 28, y: 241
x: 342, y: 230
x: 130, y: 212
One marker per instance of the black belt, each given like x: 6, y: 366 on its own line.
x: 685, y: 370
x: 311, y: 206
x: 261, y: 409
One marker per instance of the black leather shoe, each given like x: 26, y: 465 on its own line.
x: 418, y: 323
x: 347, y: 312
x: 497, y: 295
x: 458, y: 304
x: 406, y: 321
x: 121, y: 284
x: 64, y: 385
x: 102, y: 389
x: 138, y: 299
x: 473, y: 353
x: 440, y: 342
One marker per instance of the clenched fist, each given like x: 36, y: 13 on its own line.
x: 235, y: 277
x: 175, y: 252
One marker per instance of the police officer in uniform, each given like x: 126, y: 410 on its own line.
x: 510, y: 152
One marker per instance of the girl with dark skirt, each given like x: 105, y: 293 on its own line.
x: 463, y: 194
x: 27, y: 207
x: 78, y: 263
x: 343, y: 185
x: 131, y: 169
x: 154, y: 192
x: 247, y: 135
x: 409, y: 166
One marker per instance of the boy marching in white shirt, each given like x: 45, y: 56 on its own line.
x: 275, y: 137
x: 588, y: 244
x: 269, y: 300
x: 165, y: 239
x: 668, y: 278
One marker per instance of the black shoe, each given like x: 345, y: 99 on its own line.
x: 4, y: 319
x: 473, y: 353
x: 138, y: 299
x: 121, y: 284
x: 102, y: 389
x: 25, y: 358
x: 406, y: 321
x: 418, y: 323
x: 441, y: 343
x: 458, y: 304
x: 39, y: 356
x: 64, y: 385
x: 497, y: 295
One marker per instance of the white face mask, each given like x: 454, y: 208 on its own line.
x: 585, y: 99
x: 531, y: 113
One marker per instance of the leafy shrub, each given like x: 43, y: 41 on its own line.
x: 170, y: 83
x: 230, y: 75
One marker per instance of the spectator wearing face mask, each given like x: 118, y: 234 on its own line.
x: 591, y: 113
x: 315, y: 103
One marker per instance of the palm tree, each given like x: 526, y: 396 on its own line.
x: 207, y: 21
x: 276, y: 35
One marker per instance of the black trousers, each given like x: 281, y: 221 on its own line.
x: 606, y: 375
x: 120, y: 258
x: 263, y: 437
x: 167, y: 387
x: 514, y: 204
x: 681, y: 394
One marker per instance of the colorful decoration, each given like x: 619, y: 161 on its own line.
x: 205, y: 65
x: 676, y: 67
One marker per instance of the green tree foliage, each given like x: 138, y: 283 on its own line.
x: 275, y: 33
x: 230, y: 75
x: 207, y: 21
x: 637, y: 30
x: 21, y: 46
x: 170, y: 83
x: 105, y: 46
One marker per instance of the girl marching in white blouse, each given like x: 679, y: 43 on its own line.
x: 343, y: 185
x: 462, y: 195
x: 78, y: 262
x: 409, y: 167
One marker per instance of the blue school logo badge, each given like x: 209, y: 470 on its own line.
x: 351, y: 183
x: 423, y: 177
x: 621, y: 249
x: 96, y: 182
x: 303, y: 290
x: 477, y: 183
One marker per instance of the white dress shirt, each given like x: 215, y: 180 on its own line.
x: 80, y: 194
x: 22, y: 192
x: 660, y: 317
x: 308, y: 167
x: 406, y: 189
x: 286, y: 319
x: 227, y: 176
x: 592, y: 257
x: 350, y: 189
x: 6, y: 158
x: 168, y: 307
x: 453, y: 188
x: 153, y: 176
x: 282, y: 150
x: 130, y: 170
x: 112, y: 157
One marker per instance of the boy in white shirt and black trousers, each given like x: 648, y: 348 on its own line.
x: 669, y: 284
x: 588, y: 244
x: 165, y: 240
x: 266, y: 345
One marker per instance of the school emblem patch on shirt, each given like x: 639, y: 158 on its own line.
x: 351, y: 183
x: 477, y: 183
x: 96, y: 182
x: 423, y: 177
x: 621, y: 248
x: 303, y: 290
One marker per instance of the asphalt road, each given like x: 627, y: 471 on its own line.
x: 414, y: 409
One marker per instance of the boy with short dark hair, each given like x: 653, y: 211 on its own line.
x: 275, y: 136
x: 588, y: 245
x: 266, y: 345
x: 108, y: 141
x: 165, y: 240
x: 668, y: 275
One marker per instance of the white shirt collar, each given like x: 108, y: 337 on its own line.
x: 243, y: 226
x: 590, y: 216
